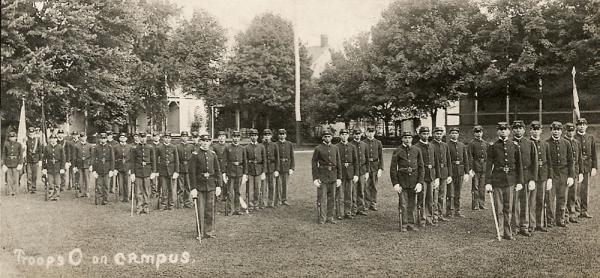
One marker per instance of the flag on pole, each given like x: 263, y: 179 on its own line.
x: 575, y: 96
x: 22, y: 132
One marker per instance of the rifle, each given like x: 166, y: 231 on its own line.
x: 400, y: 213
x: 199, y: 237
x: 418, y: 212
x: 132, y: 184
x: 495, y: 217
x: 318, y: 212
x: 45, y: 181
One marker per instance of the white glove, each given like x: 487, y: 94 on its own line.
x: 75, y: 169
x: 68, y: 165
x: 397, y: 188
x: 244, y: 178
x: 580, y: 178
x: 225, y: 179
x: 263, y: 176
x: 471, y: 173
x: 436, y: 183
x: 218, y: 191
x: 448, y: 180
x: 291, y: 172
x: 418, y: 187
x: 62, y: 171
x: 20, y: 167
x: 593, y: 172
x: 110, y: 174
x: 465, y: 178
x: 39, y: 163
x: 570, y: 182
x: 175, y: 175
x: 488, y: 187
x: 90, y: 168
x: 95, y: 174
x: 4, y: 168
x: 519, y: 187
x: 549, y: 184
x: 44, y: 172
x: 355, y: 179
x: 276, y: 174
x: 366, y: 175
x: 338, y: 182
x: 379, y: 173
x: 194, y: 193
x: 317, y: 183
x: 531, y: 185
x: 132, y: 177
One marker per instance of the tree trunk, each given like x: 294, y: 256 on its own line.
x: 385, y: 128
x: 433, y: 118
x: 268, y: 118
x: 254, y: 115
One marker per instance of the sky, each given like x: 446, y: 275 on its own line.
x: 338, y: 19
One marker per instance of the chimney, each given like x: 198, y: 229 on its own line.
x: 324, y: 40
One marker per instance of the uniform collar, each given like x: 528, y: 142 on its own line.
x: 423, y: 142
x: 518, y: 138
x: 406, y: 146
x: 344, y: 143
x: 580, y: 133
x: 554, y: 138
x: 453, y: 141
x: 202, y: 149
x: 282, y: 141
x: 533, y: 139
x: 502, y: 140
x: 327, y: 144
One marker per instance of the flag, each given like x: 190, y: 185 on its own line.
x: 575, y: 96
x: 22, y: 131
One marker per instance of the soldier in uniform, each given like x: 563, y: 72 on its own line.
x: 539, y: 194
x: 103, y: 166
x: 143, y: 169
x: 12, y: 156
x: 53, y: 165
x: 573, y: 191
x: 219, y: 149
x: 205, y: 177
x: 344, y: 193
x: 504, y: 172
x: 256, y: 155
x: 374, y: 152
x: 82, y: 164
x: 185, y: 150
x: 460, y: 172
x: 286, y: 167
x: 122, y: 156
x: 271, y: 168
x: 562, y: 175
x: 431, y: 181
x: 155, y: 182
x: 167, y: 163
x: 327, y: 175
x: 236, y: 170
x: 529, y: 163
x: 64, y: 177
x: 407, y: 175
x: 477, y: 156
x: 589, y: 165
x: 358, y: 196
x: 33, y: 159
x: 443, y: 157
x: 73, y: 177
x: 113, y: 143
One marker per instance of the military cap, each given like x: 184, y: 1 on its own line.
x: 136, y: 134
x: 142, y: 134
x: 267, y: 131
x: 12, y: 134
x: 343, y: 131
x: 422, y: 129
x: 31, y: 129
x: 371, y: 129
x: 154, y: 134
x: 282, y: 131
x: 60, y: 131
x: 204, y: 136
x: 221, y: 133
x: 253, y: 131
x: 82, y: 134
x: 556, y: 125
x: 122, y: 134
x: 195, y: 133
x: 326, y: 133
x: 477, y: 128
x: 109, y: 132
x: 52, y: 136
x: 569, y: 127
x: 438, y: 128
x: 103, y: 135
x: 518, y: 123
x: 357, y: 132
x: 74, y: 133
x: 167, y: 134
x: 236, y: 133
x: 185, y: 133
x: 454, y: 129
x: 502, y: 125
x: 582, y: 121
x: 407, y: 134
x: 535, y: 125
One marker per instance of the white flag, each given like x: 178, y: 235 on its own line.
x: 575, y: 96
x: 22, y: 132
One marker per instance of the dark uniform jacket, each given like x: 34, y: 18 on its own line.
x: 543, y: 156
x: 66, y: 146
x: 236, y: 163
x: 588, y: 152
x: 256, y: 155
x: 167, y: 160
x: 53, y: 159
x: 561, y: 159
x: 430, y: 161
x: 34, y: 150
x: 12, y: 154
x: 577, y: 160
x: 122, y: 156
x: 477, y: 155
x: 326, y: 163
x: 286, y: 156
x: 443, y: 157
x: 272, y: 155
x: 219, y: 149
x: 82, y: 155
x: 185, y: 152
x: 142, y: 160
x: 529, y: 159
x: 103, y: 159
x: 348, y: 158
x: 361, y: 156
x: 406, y: 168
x: 459, y: 157
x: 503, y: 166
x: 374, y: 153
x: 204, y: 171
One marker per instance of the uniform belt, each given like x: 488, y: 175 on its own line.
x: 429, y: 166
x: 254, y: 161
x: 284, y: 159
x: 206, y: 175
x: 482, y: 159
x: 406, y: 169
x: 504, y: 169
x: 541, y: 163
x: 442, y: 165
x: 346, y: 164
x: 328, y: 167
x: 584, y: 156
x: 457, y: 162
x: 236, y: 163
x: 373, y: 159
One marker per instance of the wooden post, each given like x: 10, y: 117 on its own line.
x: 507, y: 105
x: 237, y: 119
x: 476, y: 107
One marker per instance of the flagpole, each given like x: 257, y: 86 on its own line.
x: 576, y: 113
x: 297, y: 78
x: 44, y: 131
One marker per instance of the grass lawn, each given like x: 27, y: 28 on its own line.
x: 283, y: 242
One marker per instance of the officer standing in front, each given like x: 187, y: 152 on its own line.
x: 327, y: 175
x: 12, y: 156
x: 374, y: 152
x: 407, y: 175
x: 589, y: 158
x: 562, y: 175
x: 477, y: 156
x: 286, y: 167
x: 349, y: 162
x: 460, y: 172
x: 504, y: 172
x: 529, y: 163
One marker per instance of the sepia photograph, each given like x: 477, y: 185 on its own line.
x: 300, y: 138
